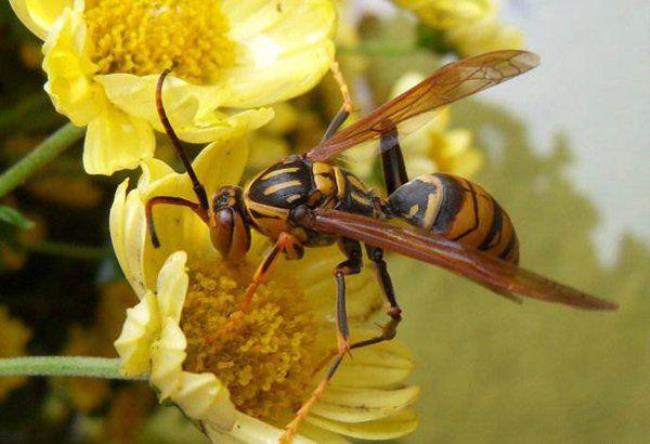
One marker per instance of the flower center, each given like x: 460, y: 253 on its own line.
x: 268, y: 361
x: 147, y: 36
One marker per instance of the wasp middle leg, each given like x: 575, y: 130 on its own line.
x: 351, y: 266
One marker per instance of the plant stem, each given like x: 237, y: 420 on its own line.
x: 83, y: 252
x: 62, y: 366
x: 44, y: 153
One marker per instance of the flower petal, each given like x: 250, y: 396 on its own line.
x: 172, y: 286
x: 167, y: 356
x: 362, y: 405
x: 381, y: 365
x: 69, y: 70
x: 128, y: 232
x: 390, y: 427
x: 39, y: 15
x: 251, y: 431
x: 116, y: 141
x: 283, y: 53
x: 191, y: 108
x: 134, y: 343
x: 204, y: 397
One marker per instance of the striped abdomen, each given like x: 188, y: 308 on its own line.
x: 459, y: 210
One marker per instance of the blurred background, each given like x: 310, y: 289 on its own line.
x: 564, y: 149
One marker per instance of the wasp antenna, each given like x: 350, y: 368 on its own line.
x: 199, y: 190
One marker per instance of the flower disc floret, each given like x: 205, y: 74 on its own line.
x: 146, y: 37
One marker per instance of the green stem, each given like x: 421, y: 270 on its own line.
x: 70, y: 250
x: 62, y: 366
x: 44, y: 153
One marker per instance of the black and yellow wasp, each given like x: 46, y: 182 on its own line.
x: 307, y: 201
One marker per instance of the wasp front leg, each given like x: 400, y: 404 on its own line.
x: 352, y: 250
x: 287, y: 244
x: 392, y: 160
x: 342, y: 115
x: 169, y: 200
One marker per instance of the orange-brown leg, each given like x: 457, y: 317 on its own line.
x: 352, y: 265
x: 169, y: 200
x: 286, y: 243
x: 347, y: 106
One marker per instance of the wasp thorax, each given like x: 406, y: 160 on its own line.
x: 229, y: 228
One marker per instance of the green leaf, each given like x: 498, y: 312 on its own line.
x: 14, y: 217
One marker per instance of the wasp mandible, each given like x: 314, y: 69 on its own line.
x: 308, y: 201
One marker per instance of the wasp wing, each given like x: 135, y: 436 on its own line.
x: 412, y: 109
x: 491, y: 272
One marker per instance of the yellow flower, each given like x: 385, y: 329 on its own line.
x: 485, y: 35
x: 246, y: 385
x: 448, y: 14
x: 230, y: 57
x: 15, y: 336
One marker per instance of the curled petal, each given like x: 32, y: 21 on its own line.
x: 204, y: 397
x: 167, y: 356
x: 116, y: 141
x: 138, y: 333
x: 69, y: 70
x: 128, y: 231
x: 249, y: 430
x: 39, y: 15
x: 172, y: 286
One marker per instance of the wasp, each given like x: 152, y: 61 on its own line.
x: 307, y: 201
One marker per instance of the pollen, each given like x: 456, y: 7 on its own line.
x: 148, y: 36
x: 268, y: 362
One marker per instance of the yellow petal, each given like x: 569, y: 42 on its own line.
x: 128, y: 232
x: 314, y: 273
x: 39, y: 15
x: 172, y: 286
x: 361, y: 405
x: 141, y: 326
x: 223, y: 161
x: 69, y: 70
x: 249, y: 430
x: 204, y: 397
x: 390, y: 427
x: 167, y: 356
x: 116, y: 141
x: 381, y: 365
x: 282, y: 53
x: 192, y: 109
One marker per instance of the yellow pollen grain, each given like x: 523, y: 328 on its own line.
x: 147, y: 36
x: 268, y: 361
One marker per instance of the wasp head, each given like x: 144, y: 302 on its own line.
x: 229, y: 227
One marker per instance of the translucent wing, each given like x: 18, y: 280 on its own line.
x: 493, y: 273
x: 413, y: 108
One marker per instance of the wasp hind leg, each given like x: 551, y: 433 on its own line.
x: 376, y: 256
x: 351, y: 266
x: 392, y: 160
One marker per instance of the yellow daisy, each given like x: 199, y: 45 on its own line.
x: 247, y: 385
x: 103, y: 57
x: 448, y: 14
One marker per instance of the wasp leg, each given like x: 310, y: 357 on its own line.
x: 352, y: 249
x: 346, y: 108
x: 392, y: 160
x: 286, y: 243
x: 376, y: 255
x: 169, y: 200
